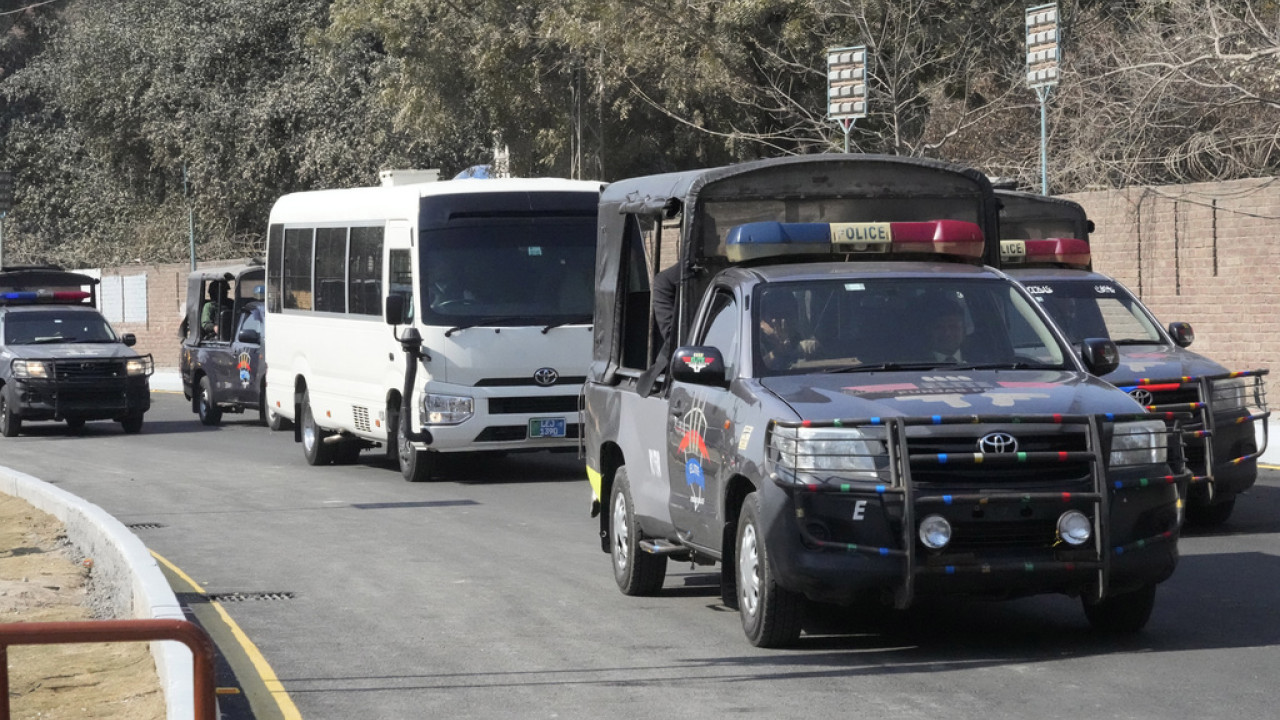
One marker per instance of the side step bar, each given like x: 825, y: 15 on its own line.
x: 664, y: 547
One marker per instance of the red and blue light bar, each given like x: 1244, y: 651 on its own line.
x: 954, y: 238
x: 45, y: 296
x: 1068, y: 252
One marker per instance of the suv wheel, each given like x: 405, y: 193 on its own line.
x: 209, y: 412
x: 132, y: 423
x: 636, y: 571
x: 415, y: 465
x: 771, y: 615
x: 10, y: 423
x: 1124, y: 613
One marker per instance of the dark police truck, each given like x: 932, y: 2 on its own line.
x: 59, y: 357
x: 1045, y: 246
x: 854, y: 407
x: 221, y: 360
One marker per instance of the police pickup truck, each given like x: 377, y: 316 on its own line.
x: 1045, y: 246
x: 221, y: 360
x: 59, y: 357
x: 854, y: 408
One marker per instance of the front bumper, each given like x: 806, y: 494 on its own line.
x: 82, y: 390
x: 837, y: 540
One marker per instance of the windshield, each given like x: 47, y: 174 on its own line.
x: 509, y: 271
x: 888, y: 324
x: 1095, y: 309
x: 34, y: 328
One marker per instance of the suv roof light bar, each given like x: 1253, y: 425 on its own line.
x: 43, y: 296
x: 1068, y: 252
x: 952, y: 238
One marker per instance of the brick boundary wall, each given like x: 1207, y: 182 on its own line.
x: 1205, y: 253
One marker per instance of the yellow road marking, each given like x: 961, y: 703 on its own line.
x: 268, y: 676
x: 1269, y: 467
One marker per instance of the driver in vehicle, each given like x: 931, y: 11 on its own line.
x: 781, y: 343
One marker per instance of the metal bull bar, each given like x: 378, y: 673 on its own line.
x: 892, y: 477
x: 1207, y: 408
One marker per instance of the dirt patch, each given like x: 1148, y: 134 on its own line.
x: 42, y: 580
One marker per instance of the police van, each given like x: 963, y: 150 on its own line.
x: 850, y: 405
x: 60, y: 359
x: 1045, y: 246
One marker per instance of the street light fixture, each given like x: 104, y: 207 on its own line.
x: 847, y: 86
x: 1043, y: 55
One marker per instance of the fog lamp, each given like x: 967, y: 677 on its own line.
x: 935, y: 532
x: 1074, y: 527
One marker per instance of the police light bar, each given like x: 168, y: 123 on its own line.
x: 955, y: 238
x: 1069, y: 252
x: 44, y: 296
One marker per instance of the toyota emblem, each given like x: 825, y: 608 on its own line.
x: 1143, y: 396
x: 998, y: 442
x: 546, y: 376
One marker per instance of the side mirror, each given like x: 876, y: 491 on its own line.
x: 1100, y: 355
x: 1182, y: 334
x: 129, y: 339
x: 395, y: 309
x: 698, y: 366
x: 250, y: 337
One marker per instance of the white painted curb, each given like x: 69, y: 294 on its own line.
x: 123, y: 563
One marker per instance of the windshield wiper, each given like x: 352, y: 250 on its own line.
x: 1016, y: 365
x: 876, y: 367
x: 484, y: 321
x: 580, y: 320
x: 1137, y: 341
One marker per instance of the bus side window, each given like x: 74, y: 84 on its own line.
x: 400, y: 279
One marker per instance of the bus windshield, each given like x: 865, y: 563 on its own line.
x: 509, y: 271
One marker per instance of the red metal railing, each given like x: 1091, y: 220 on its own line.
x: 96, y: 631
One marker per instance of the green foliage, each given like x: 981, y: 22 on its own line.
x: 104, y: 103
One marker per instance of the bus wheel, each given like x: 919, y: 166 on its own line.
x: 415, y: 465
x: 317, y: 451
x: 771, y: 615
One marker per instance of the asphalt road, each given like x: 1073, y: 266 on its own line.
x: 486, y: 596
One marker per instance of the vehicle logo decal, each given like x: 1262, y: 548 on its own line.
x: 694, y: 448
x: 746, y: 437
x: 697, y: 361
x: 546, y: 376
x: 1143, y: 396
x: 998, y: 442
x: 246, y: 370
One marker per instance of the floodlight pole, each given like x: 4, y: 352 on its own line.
x: 847, y: 86
x: 2, y: 216
x: 1042, y: 92
x: 191, y: 217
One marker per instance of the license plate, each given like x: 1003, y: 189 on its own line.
x: 546, y: 428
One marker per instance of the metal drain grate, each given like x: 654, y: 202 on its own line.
x: 246, y: 596
x: 145, y: 526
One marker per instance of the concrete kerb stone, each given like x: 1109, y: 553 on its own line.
x: 126, y: 569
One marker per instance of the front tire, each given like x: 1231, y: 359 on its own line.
x: 75, y: 426
x: 1125, y: 613
x: 415, y: 465
x: 1210, y: 515
x: 10, y: 423
x: 636, y: 571
x: 772, y: 616
x: 210, y: 414
x: 132, y: 423
x: 316, y: 450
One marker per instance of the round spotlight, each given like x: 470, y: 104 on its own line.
x: 1074, y: 527
x: 935, y: 532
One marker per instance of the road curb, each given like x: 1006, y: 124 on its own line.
x: 122, y: 564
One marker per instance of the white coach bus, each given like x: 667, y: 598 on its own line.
x: 493, y: 277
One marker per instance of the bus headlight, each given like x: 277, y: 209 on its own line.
x: 1143, y: 442
x: 827, y: 449
x: 30, y: 369
x: 447, y: 409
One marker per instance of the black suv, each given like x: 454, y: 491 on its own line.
x: 222, y: 362
x: 59, y: 357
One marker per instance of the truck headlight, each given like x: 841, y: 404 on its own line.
x: 1144, y: 442
x: 447, y: 409
x: 137, y: 366
x: 1228, y: 394
x: 30, y: 369
x: 827, y: 449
